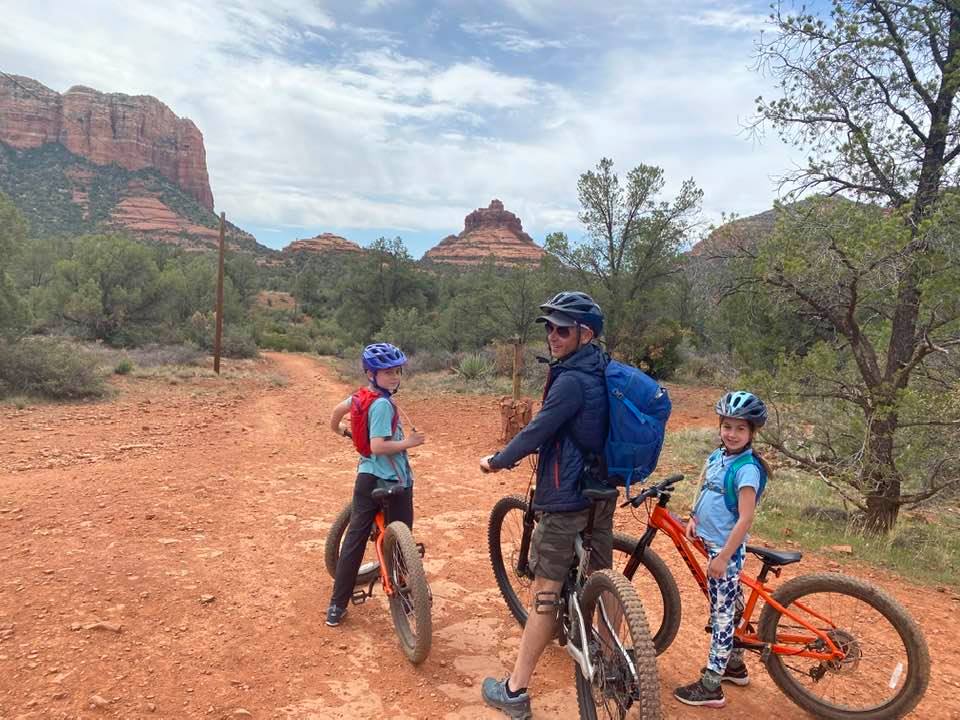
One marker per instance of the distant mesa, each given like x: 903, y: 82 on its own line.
x: 488, y: 232
x: 131, y: 131
x: 740, y: 233
x: 323, y: 243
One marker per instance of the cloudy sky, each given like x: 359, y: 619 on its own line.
x: 397, y: 117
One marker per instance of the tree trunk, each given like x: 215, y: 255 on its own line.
x: 881, y: 479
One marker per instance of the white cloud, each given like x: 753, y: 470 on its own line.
x: 732, y: 18
x: 510, y: 38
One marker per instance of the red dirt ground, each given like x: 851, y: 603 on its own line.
x: 162, y: 558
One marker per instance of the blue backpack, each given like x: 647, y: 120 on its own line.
x: 730, y: 498
x: 639, y: 409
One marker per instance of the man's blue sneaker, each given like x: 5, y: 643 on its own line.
x: 335, y: 615
x: 495, y: 695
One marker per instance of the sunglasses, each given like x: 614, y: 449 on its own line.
x: 562, y: 331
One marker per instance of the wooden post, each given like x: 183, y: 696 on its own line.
x: 517, y: 359
x: 218, y: 336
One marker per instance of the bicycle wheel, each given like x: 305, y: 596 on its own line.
x: 410, y: 603
x: 656, y: 587
x: 887, y: 664
x: 369, y: 566
x: 621, y: 650
x: 504, y: 533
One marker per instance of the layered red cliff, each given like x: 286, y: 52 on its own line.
x: 490, y: 231
x: 132, y: 131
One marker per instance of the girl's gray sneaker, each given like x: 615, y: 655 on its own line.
x: 495, y: 695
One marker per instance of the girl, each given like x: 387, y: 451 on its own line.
x: 733, y: 480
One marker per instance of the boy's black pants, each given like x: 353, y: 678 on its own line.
x: 399, y: 507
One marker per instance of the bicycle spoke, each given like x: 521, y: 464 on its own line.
x: 615, y: 686
x: 875, y: 665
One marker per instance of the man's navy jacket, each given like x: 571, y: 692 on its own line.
x: 572, y: 422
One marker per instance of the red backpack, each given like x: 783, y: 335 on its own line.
x: 360, y: 403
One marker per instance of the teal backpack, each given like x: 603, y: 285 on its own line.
x: 730, y: 481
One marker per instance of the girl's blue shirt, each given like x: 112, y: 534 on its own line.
x: 714, y: 521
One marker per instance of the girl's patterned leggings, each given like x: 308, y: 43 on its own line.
x: 726, y: 601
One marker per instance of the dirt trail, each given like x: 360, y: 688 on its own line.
x: 162, y: 558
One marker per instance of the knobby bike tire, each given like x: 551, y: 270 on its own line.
x: 411, y: 592
x: 504, y: 569
x: 783, y: 668
x: 656, y: 587
x: 613, y: 682
x: 369, y: 571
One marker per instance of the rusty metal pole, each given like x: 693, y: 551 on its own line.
x: 218, y: 337
x: 517, y: 359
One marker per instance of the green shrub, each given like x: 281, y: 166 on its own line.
x: 49, y: 367
x: 285, y: 342
x: 238, y: 342
x: 475, y: 367
x: 327, y: 346
x: 124, y: 367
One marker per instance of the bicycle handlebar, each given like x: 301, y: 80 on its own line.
x: 654, y: 490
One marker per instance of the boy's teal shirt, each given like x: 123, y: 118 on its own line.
x: 385, y: 467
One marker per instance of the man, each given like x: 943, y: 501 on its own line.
x: 569, y: 434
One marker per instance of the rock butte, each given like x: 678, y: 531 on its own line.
x: 131, y: 131
x: 323, y: 243
x: 490, y: 231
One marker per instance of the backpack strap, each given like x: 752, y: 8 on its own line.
x: 730, y: 497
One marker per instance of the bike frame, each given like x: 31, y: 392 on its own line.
x: 663, y: 520
x: 380, y: 523
x: 569, y: 592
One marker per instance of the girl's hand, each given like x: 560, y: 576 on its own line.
x: 691, y: 529
x: 717, y: 567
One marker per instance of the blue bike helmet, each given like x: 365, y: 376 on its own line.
x: 382, y: 356
x: 570, y: 308
x: 744, y: 406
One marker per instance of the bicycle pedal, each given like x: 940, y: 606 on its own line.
x: 422, y: 549
x: 360, y: 597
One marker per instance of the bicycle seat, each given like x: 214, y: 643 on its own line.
x: 775, y: 557
x: 381, y: 494
x: 598, y: 495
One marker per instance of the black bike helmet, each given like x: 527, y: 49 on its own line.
x: 570, y: 308
x: 744, y: 406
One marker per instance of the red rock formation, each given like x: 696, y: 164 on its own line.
x: 490, y: 231
x: 132, y: 131
x: 323, y: 243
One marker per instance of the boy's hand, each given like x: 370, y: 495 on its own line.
x: 691, y: 530
x: 415, y: 438
x: 485, y: 465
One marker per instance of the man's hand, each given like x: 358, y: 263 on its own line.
x: 415, y: 438
x: 691, y: 529
x: 485, y: 465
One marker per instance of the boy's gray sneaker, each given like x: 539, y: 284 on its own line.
x: 495, y: 695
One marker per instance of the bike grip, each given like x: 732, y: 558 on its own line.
x: 675, y: 478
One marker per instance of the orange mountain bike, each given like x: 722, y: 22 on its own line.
x: 836, y: 646
x: 396, y: 560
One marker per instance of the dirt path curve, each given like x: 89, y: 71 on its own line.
x: 162, y: 558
